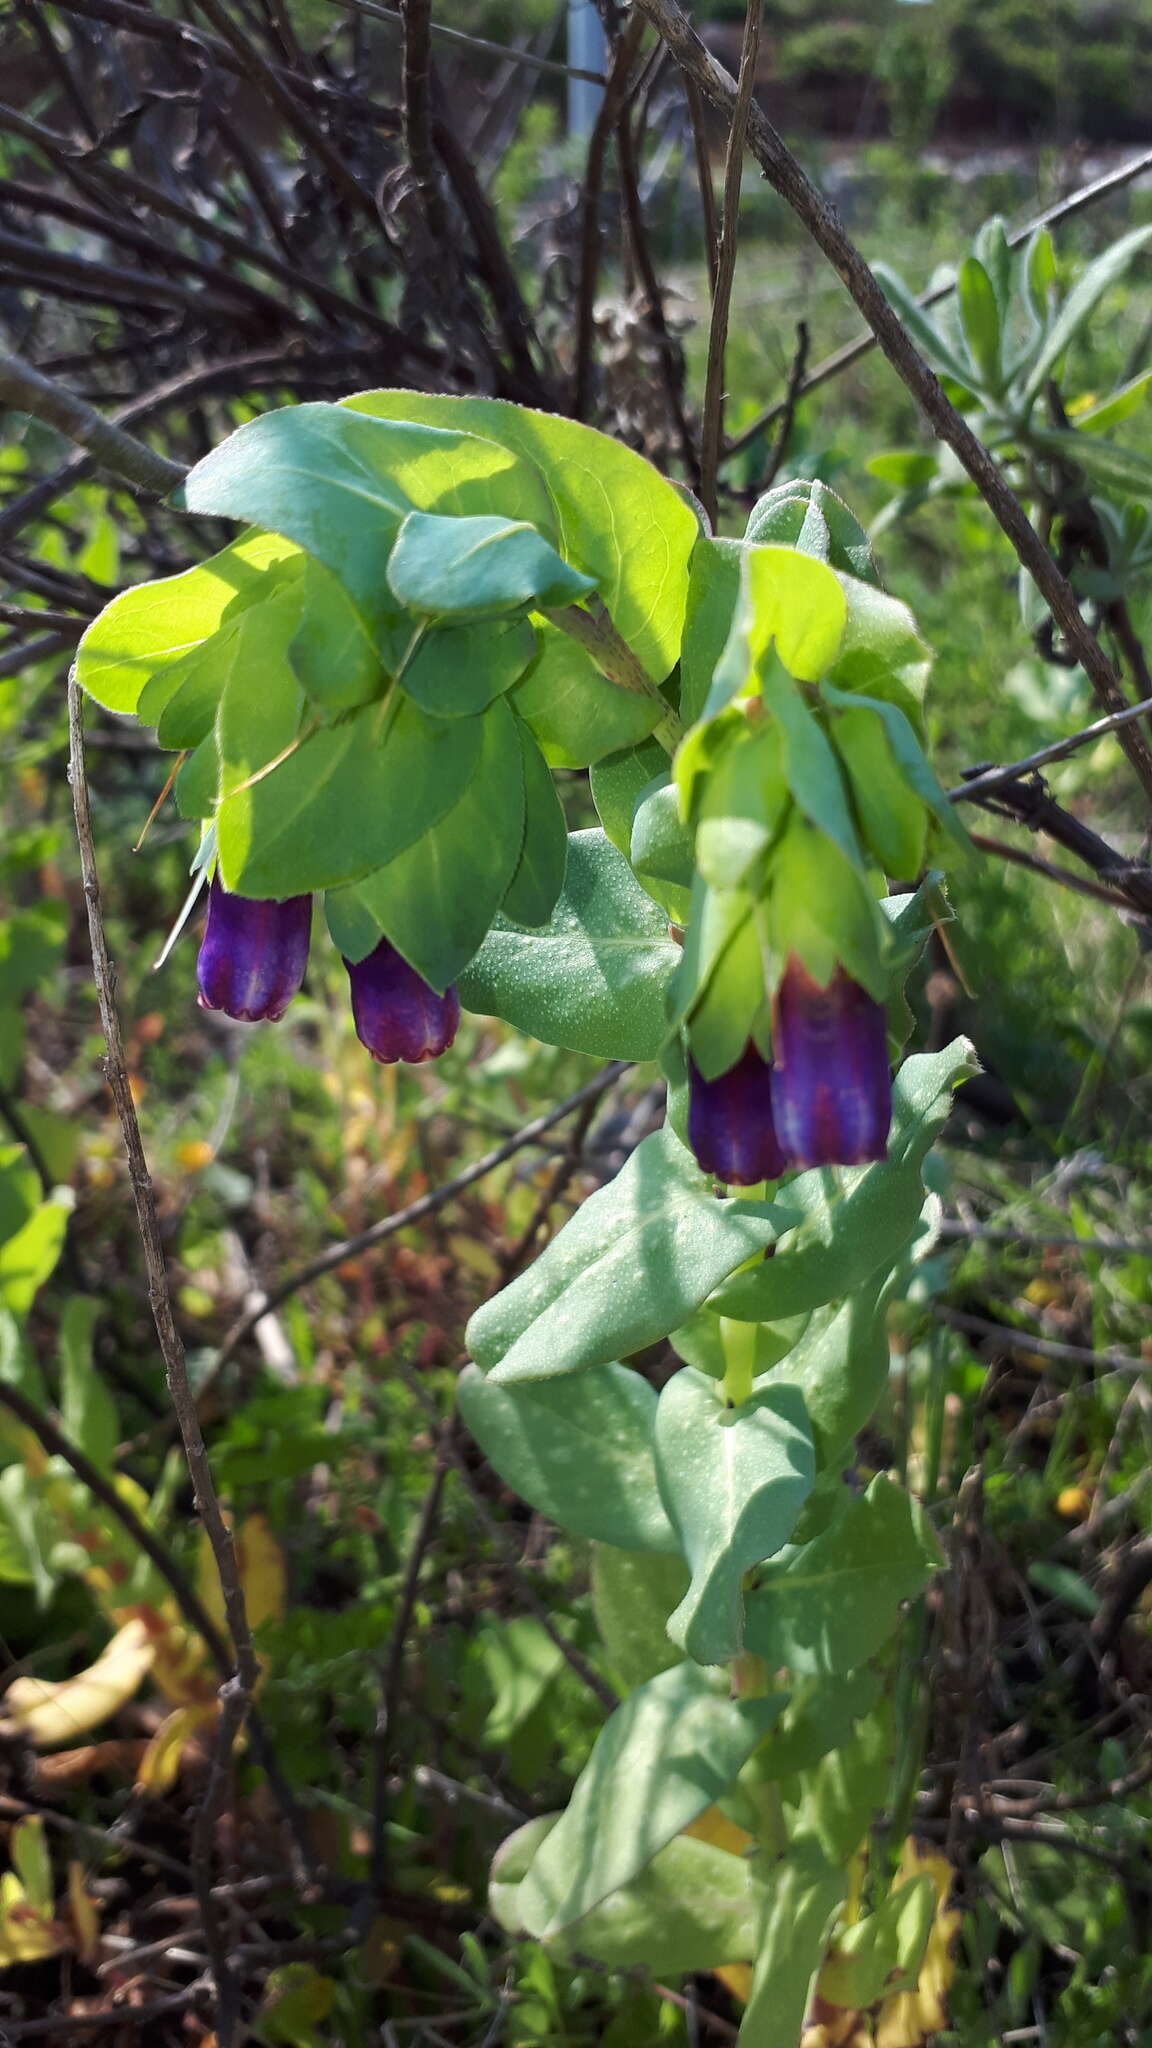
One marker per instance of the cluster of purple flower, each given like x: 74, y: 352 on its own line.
x: 252, y: 962
x: 826, y: 1099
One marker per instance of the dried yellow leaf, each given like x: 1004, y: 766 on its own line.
x: 53, y: 1712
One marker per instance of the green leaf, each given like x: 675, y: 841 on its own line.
x: 1103, y: 462
x: 841, y: 1797
x: 804, y: 1899
x: 882, y: 649
x: 30, y: 1257
x: 910, y: 759
x: 1131, y: 397
x: 339, y: 484
x: 810, y: 766
x: 593, y: 978
x: 994, y: 251
x: 716, y: 921
x: 829, y: 1605
x: 577, y: 715
x: 859, y: 1218
x: 619, y: 781
x: 714, y: 587
x: 661, y: 853
x: 535, y: 888
x: 30, y: 1529
x: 436, y: 899
x: 634, y: 1260
x: 1078, y: 309
x: 725, y: 1016
x: 820, y: 1716
x: 822, y: 908
x: 693, y: 1907
x: 477, y: 567
x: 924, y: 331
x: 744, y: 805
x: 197, y: 785
x: 336, y: 659
x: 906, y: 469
x: 344, y: 800
x: 803, y: 513
x: 633, y: 1593
x: 580, y: 1454
x: 882, y: 1953
x: 520, y: 1661
x: 457, y: 670
x: 19, y: 1190
x: 615, y: 517
x: 87, y: 1410
x: 892, y: 818
x: 154, y: 625
x: 671, y: 1750
x: 980, y: 319
x: 840, y: 1364
x: 733, y: 1481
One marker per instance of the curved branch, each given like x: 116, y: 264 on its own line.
x: 28, y: 390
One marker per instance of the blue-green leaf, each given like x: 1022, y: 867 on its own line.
x: 593, y: 978
x: 580, y: 1453
x: 636, y: 1258
x: 671, y: 1750
x: 733, y: 1481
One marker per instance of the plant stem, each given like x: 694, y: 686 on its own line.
x: 593, y: 628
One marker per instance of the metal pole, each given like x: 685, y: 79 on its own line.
x: 587, y: 51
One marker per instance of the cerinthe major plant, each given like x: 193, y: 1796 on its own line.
x: 434, y: 602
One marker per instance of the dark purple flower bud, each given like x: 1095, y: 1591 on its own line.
x: 253, y: 954
x: 398, y: 1015
x: 833, y: 1086
x: 730, y: 1122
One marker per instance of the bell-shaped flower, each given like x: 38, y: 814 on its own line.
x: 832, y: 1085
x: 398, y: 1015
x: 253, y: 954
x: 731, y: 1126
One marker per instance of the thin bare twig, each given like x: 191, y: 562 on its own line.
x: 707, y: 190
x: 1022, y: 1343
x: 983, y: 781
x: 615, y: 94
x: 591, y: 625
x: 28, y: 390
x: 237, y: 1690
x: 508, y: 53
x: 788, y: 413
x: 417, y: 105
x: 1020, y: 858
x: 1030, y: 803
x: 712, y: 419
x: 394, y: 1667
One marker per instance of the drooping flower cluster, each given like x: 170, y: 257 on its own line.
x: 252, y: 962
x: 826, y: 1099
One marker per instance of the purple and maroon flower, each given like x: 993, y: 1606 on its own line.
x: 731, y: 1126
x: 398, y: 1015
x: 832, y: 1085
x: 253, y: 954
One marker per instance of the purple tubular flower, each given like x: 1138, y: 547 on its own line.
x: 730, y: 1122
x: 833, y: 1086
x: 398, y: 1015
x: 253, y: 954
